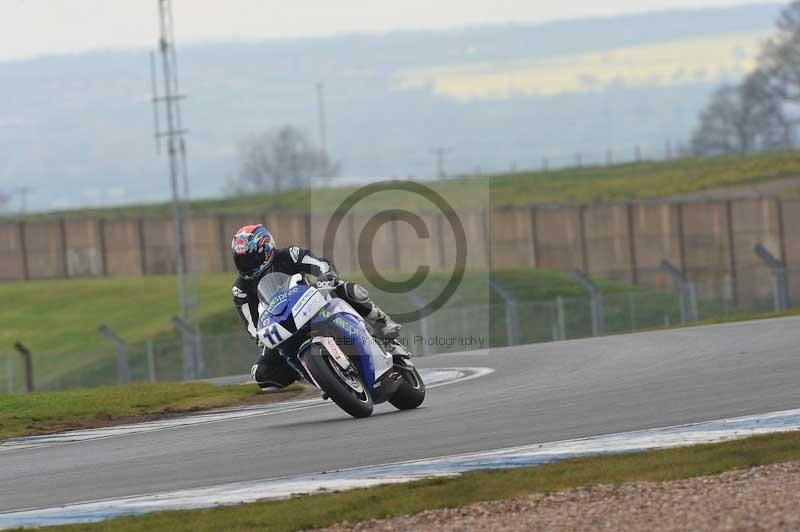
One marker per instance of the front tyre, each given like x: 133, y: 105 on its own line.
x: 343, y: 387
x: 411, y: 392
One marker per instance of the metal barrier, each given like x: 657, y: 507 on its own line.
x: 123, y: 367
x: 512, y: 317
x: 596, y: 298
x: 781, y: 286
x: 686, y: 290
x: 518, y: 322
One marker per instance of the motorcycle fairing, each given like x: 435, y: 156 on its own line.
x: 340, y: 320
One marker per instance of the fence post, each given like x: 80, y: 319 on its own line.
x: 486, y: 222
x: 62, y: 231
x: 151, y: 362
x: 732, y: 252
x: 142, y: 245
x: 10, y: 373
x: 440, y: 241
x: 100, y: 226
x: 561, y: 318
x: 512, y: 315
x: 23, y: 252
x: 123, y: 368
x: 781, y: 286
x: 193, y: 363
x: 307, y: 222
x: 781, y: 228
x: 686, y: 291
x: 634, y: 260
x: 694, y: 312
x: 632, y: 309
x: 583, y: 237
x: 598, y: 317
x: 26, y: 356
x: 424, y: 323
x: 534, y: 240
x: 681, y: 238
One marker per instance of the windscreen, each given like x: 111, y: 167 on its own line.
x: 271, y: 283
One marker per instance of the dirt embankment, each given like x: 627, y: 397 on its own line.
x: 761, y: 498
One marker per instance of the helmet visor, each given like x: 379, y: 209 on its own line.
x: 249, y: 263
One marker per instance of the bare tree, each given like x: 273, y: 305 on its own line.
x: 742, y: 119
x: 780, y: 58
x: 281, y: 159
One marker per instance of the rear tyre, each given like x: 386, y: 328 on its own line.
x: 345, y: 388
x: 411, y: 392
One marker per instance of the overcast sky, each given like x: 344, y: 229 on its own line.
x: 36, y: 27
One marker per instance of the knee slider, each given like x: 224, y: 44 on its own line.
x: 356, y: 292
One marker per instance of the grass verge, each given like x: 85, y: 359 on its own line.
x: 393, y: 500
x: 49, y: 412
x: 745, y: 317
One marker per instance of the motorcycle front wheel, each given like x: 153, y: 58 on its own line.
x: 411, y: 392
x: 345, y: 388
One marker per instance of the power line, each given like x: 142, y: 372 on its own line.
x: 22, y: 192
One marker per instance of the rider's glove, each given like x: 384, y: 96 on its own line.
x: 328, y: 280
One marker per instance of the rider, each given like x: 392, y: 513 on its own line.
x: 255, y: 254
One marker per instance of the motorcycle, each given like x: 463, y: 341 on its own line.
x: 327, y: 342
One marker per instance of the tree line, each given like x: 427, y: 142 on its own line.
x: 754, y: 115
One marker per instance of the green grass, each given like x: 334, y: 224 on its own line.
x: 393, y: 500
x: 48, y: 412
x: 645, y: 180
x: 58, y: 321
x: 137, y: 308
x: 140, y: 308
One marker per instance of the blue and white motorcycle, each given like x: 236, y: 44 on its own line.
x: 327, y: 342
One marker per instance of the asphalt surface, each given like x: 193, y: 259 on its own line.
x: 540, y: 393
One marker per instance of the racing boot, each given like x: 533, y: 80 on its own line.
x: 383, y: 324
x: 271, y: 371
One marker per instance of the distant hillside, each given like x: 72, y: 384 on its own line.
x: 79, y: 128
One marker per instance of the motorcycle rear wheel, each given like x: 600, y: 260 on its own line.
x: 353, y: 398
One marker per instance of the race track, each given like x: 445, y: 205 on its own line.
x: 541, y: 393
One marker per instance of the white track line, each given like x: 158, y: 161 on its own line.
x: 242, y: 492
x: 436, y: 377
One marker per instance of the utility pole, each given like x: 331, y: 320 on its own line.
x: 440, y: 152
x: 174, y: 133
x: 323, y: 134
